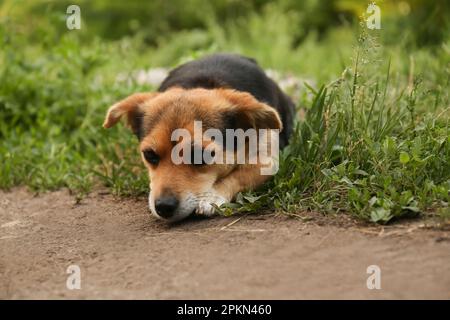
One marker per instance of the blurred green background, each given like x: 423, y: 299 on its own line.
x: 250, y: 26
x: 417, y: 22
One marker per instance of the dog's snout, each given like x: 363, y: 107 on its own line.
x: 166, y: 205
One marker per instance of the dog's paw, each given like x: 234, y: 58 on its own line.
x: 205, y: 206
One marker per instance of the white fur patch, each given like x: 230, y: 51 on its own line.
x: 200, y: 204
x: 185, y: 209
x: 205, y: 206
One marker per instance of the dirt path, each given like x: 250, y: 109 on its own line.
x: 123, y: 252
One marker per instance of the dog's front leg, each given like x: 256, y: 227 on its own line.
x: 224, y: 190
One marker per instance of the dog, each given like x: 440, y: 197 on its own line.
x: 223, y: 91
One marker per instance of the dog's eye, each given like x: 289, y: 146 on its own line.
x: 151, y: 157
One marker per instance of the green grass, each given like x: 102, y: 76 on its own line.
x: 375, y: 141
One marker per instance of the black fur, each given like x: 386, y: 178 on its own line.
x: 235, y: 72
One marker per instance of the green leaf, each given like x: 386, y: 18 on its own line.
x: 411, y: 208
x: 404, y: 157
x: 252, y: 199
x: 381, y: 215
x: 372, y: 201
x: 361, y: 172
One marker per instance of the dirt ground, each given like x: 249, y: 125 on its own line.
x: 123, y: 252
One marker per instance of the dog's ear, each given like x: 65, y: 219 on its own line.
x: 247, y: 112
x: 130, y: 107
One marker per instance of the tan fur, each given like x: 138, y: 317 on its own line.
x: 255, y: 113
x: 178, y: 108
x: 126, y: 106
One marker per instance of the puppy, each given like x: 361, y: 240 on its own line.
x: 218, y: 95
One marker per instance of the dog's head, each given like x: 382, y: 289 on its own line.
x: 161, y: 121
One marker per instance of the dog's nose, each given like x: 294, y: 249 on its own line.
x: 165, y: 206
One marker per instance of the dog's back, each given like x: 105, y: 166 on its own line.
x: 235, y: 72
